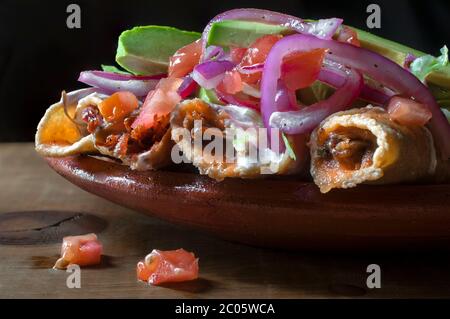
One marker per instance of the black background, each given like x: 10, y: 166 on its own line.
x: 40, y: 56
x: 285, y: 308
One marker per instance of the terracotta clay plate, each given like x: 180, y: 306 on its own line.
x: 282, y: 213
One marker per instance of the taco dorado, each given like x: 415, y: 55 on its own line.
x: 347, y: 107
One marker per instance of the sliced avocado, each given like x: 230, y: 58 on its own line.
x: 394, y: 51
x: 241, y: 33
x: 113, y: 69
x: 398, y: 52
x: 146, y: 50
x: 208, y: 96
x: 441, y: 94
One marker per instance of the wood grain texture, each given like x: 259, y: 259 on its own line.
x: 226, y: 269
x: 281, y: 212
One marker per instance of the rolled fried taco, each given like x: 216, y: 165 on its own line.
x: 365, y: 146
x: 58, y: 135
x: 242, y: 98
x: 241, y: 154
x: 88, y: 122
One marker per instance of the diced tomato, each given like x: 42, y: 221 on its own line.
x: 143, y: 271
x: 118, y: 106
x: 258, y: 50
x: 231, y: 83
x: 84, y: 250
x: 237, y: 54
x: 408, y: 112
x: 257, y: 53
x: 185, y: 59
x: 300, y: 69
x: 159, y: 102
x: 348, y: 35
x: 168, y: 266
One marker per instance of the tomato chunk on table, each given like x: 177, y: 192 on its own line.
x: 84, y: 250
x: 168, y: 266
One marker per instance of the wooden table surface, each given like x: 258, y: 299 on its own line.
x: 38, y: 207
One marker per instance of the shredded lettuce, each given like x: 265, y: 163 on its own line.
x: 426, y: 64
x: 289, y: 148
x: 113, y: 69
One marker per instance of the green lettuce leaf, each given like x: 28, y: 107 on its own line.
x: 426, y: 64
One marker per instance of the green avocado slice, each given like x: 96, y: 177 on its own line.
x: 241, y: 33
x: 146, y: 50
x: 397, y: 52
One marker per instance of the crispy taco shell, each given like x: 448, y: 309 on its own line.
x: 222, y: 118
x: 365, y: 146
x: 58, y: 135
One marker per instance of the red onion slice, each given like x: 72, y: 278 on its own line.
x: 410, y: 58
x: 365, y: 61
x: 333, y: 76
x: 110, y: 82
x: 305, y: 120
x: 234, y: 100
x: 209, y: 74
x: 285, y: 99
x: 251, y: 69
x: 213, y: 52
x: 126, y: 77
x: 187, y: 87
x: 324, y: 29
